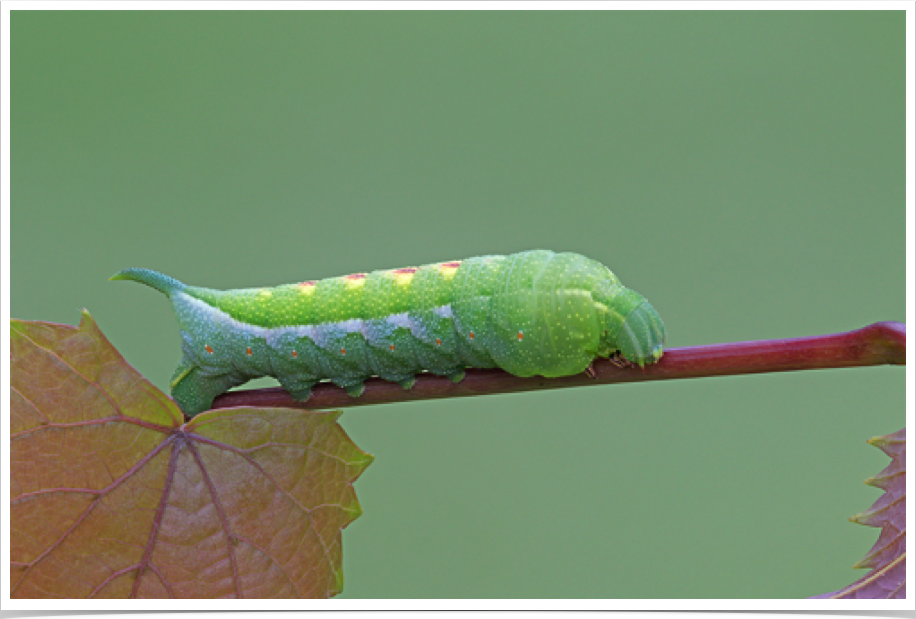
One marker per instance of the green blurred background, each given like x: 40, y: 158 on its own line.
x: 743, y: 170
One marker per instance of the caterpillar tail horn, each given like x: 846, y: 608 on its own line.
x: 163, y: 283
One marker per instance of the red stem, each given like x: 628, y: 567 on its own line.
x: 882, y: 343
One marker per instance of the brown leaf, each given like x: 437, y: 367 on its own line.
x: 887, y: 558
x: 114, y: 496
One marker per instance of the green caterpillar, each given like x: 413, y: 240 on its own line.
x: 535, y: 312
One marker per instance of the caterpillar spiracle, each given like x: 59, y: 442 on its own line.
x: 531, y: 313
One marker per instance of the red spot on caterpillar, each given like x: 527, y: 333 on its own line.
x: 357, y: 276
x: 438, y: 342
x: 208, y: 349
x: 451, y: 265
x: 391, y: 346
x: 305, y: 284
x: 295, y: 354
x: 248, y: 351
x: 407, y: 270
x: 471, y: 335
x: 520, y: 336
x: 343, y: 351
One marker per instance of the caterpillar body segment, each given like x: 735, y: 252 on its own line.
x: 531, y: 313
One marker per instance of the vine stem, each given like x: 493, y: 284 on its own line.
x: 881, y: 343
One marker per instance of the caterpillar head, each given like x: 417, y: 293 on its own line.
x: 641, y: 338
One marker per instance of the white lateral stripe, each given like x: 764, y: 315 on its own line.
x: 399, y: 320
x: 445, y: 311
x: 313, y: 332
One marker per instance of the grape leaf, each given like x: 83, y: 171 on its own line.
x: 887, y: 558
x: 114, y: 495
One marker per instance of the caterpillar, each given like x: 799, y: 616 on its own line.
x: 531, y: 313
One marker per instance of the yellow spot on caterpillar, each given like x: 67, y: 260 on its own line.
x: 208, y: 349
x: 248, y: 351
x: 265, y: 294
x: 448, y: 269
x: 356, y: 280
x: 403, y: 276
x: 307, y: 287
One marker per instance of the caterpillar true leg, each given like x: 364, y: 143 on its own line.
x: 619, y: 361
